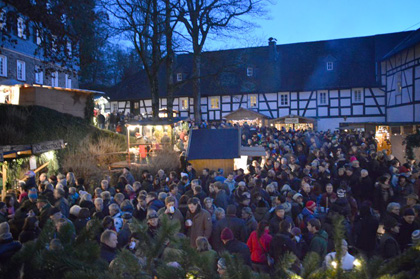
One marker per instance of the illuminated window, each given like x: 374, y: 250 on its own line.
x: 136, y: 105
x: 21, y: 70
x: 253, y: 103
x: 214, y: 102
x: 284, y: 99
x: 183, y: 103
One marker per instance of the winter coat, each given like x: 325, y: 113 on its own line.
x: 404, y: 236
x: 388, y: 246
x: 201, y: 224
x: 64, y: 207
x: 235, y: 246
x: 26, y: 236
x: 282, y: 243
x: 319, y: 243
x: 275, y: 222
x: 155, y: 205
x: 107, y: 253
x: 8, y: 247
x: 221, y: 199
x: 176, y: 217
x: 365, y: 230
x: 259, y: 247
x: 237, y: 226
x: 251, y: 225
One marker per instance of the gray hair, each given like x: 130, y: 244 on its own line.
x: 392, y: 205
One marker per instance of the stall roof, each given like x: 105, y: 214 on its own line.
x: 214, y: 144
x: 306, y: 119
x: 240, y: 113
x: 157, y: 121
x: 254, y: 151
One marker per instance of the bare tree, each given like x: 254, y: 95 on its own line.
x: 143, y: 22
x: 200, y: 17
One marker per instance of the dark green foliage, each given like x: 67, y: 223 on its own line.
x: 412, y: 141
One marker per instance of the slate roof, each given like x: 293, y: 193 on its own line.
x: 214, y: 144
x: 298, y: 67
x: 410, y: 40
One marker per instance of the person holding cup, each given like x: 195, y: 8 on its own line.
x: 173, y: 214
x: 198, y: 221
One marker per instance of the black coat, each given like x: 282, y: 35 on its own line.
x: 26, y: 236
x: 108, y: 253
x: 238, y: 227
x: 389, y: 246
x: 282, y: 243
x: 404, y: 237
x: 221, y: 200
x: 237, y: 247
x: 8, y: 247
x: 365, y: 231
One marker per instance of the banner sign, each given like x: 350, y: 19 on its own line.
x: 291, y: 120
x: 47, y: 146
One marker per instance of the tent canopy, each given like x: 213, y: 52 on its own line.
x: 245, y: 114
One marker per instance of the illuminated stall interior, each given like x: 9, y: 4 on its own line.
x: 294, y: 122
x: 154, y: 134
x: 383, y: 138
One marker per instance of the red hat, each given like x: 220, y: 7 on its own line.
x: 310, y: 205
x: 226, y: 234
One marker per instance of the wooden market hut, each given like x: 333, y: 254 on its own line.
x: 214, y: 149
x: 242, y: 115
x: 295, y: 122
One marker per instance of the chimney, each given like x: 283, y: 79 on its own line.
x: 272, y: 49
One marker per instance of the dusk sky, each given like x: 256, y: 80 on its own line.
x: 294, y: 21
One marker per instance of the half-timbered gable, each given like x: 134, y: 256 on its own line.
x: 335, y: 82
x: 402, y: 75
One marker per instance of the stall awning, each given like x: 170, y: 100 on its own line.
x: 244, y: 114
x: 156, y: 121
x: 253, y: 151
x: 293, y: 119
x: 16, y: 151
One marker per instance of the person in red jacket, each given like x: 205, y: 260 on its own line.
x: 259, y: 245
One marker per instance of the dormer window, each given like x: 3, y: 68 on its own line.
x: 249, y: 71
x: 330, y: 66
x: 179, y: 77
x: 21, y: 28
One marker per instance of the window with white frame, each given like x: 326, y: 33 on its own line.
x: 323, y: 99
x: 21, y: 28
x: 20, y: 70
x: 253, y: 101
x: 183, y: 104
x: 284, y: 99
x: 38, y: 37
x: 69, y: 48
x: 330, y: 66
x: 3, y: 66
x: 68, y: 81
x: 357, y: 95
x: 39, y: 75
x: 2, y: 19
x: 179, y: 77
x: 249, y: 71
x: 54, y: 79
x: 214, y: 102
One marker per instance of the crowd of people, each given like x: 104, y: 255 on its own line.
x: 284, y: 202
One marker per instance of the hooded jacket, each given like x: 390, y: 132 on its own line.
x: 319, y: 243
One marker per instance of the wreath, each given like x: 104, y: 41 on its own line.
x: 411, y: 142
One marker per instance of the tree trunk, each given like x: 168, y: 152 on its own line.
x: 197, y: 86
x: 169, y: 60
x: 154, y: 88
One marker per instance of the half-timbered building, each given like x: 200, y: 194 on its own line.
x: 342, y: 82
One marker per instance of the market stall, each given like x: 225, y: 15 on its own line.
x: 242, y: 115
x: 294, y: 122
x: 151, y: 135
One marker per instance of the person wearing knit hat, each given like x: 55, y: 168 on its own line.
x: 8, y: 247
x: 407, y: 227
x: 234, y: 246
x: 311, y: 205
x: 415, y: 238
